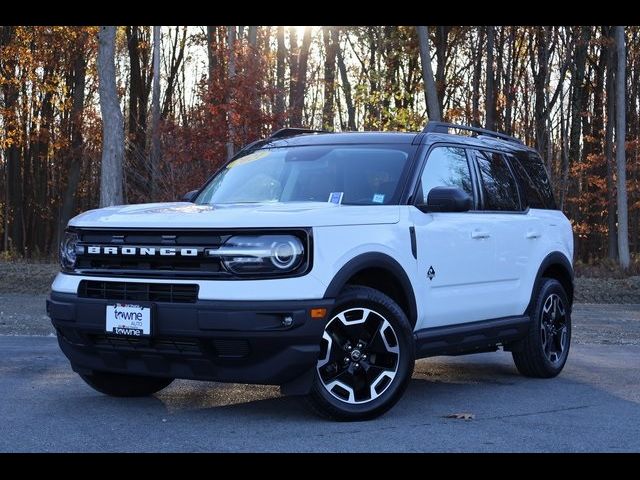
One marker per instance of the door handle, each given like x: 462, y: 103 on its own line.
x: 480, y: 234
x: 533, y: 234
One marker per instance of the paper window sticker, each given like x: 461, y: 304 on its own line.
x: 336, y: 197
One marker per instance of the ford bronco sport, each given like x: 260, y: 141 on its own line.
x: 325, y: 263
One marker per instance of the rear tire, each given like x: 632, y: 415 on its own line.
x: 544, y: 350
x: 366, y: 359
x: 121, y: 385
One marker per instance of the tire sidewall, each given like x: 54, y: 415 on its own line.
x: 550, y: 286
x: 355, y: 298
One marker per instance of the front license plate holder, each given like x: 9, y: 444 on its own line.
x: 129, y: 319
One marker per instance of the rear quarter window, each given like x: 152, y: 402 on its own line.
x: 533, y: 180
x: 500, y: 192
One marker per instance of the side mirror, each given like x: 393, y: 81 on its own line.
x: 447, y: 199
x: 190, y: 196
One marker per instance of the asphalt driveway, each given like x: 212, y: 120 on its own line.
x: 594, y: 405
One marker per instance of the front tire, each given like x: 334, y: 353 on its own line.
x: 544, y: 350
x: 366, y: 359
x: 121, y: 385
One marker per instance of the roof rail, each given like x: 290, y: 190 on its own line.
x: 443, y: 127
x: 282, y: 133
x: 290, y: 132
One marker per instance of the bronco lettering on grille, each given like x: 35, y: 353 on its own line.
x: 144, y: 251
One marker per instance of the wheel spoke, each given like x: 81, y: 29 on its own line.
x: 360, y: 355
x: 553, y: 328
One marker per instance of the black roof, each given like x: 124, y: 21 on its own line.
x: 397, y: 138
x: 344, y: 138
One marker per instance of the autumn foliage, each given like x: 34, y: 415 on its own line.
x: 223, y: 87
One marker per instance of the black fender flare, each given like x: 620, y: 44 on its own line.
x: 554, y: 258
x: 374, y: 260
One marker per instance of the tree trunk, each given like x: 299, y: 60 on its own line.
x: 490, y: 105
x: 612, y: 243
x: 294, y: 50
x: 137, y: 178
x: 177, y: 56
x: 77, y: 139
x: 301, y: 80
x: 14, y: 176
x: 211, y: 54
x: 578, y: 66
x: 430, y: 92
x: 540, y: 77
x: 346, y: 85
x: 621, y: 83
x: 112, y: 126
x: 231, y: 73
x: 477, y: 74
x: 252, y: 36
x: 280, y: 71
x: 155, y: 115
x: 442, y: 36
x: 372, y: 107
x: 330, y: 47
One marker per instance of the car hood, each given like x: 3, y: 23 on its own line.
x: 189, y: 215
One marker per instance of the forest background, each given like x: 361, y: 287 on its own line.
x: 93, y: 116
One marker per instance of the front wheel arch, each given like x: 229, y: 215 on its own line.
x: 353, y: 272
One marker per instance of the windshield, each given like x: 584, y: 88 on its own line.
x: 347, y: 174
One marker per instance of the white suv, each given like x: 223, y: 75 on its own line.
x: 326, y: 264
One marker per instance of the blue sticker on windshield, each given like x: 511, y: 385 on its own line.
x: 378, y: 198
x: 335, y: 197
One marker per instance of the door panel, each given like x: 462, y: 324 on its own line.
x: 517, y: 233
x: 456, y: 251
x: 456, y: 282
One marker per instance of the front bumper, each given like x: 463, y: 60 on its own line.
x: 226, y: 341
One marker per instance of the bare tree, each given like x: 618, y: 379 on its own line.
x: 612, y: 240
x: 14, y: 213
x: 430, y: 92
x: 112, y: 123
x: 621, y: 83
x: 476, y: 53
x: 301, y: 80
x: 155, y: 114
x: 252, y: 36
x: 175, y: 62
x: 211, y: 54
x: 490, y: 108
x: 77, y: 138
x: 330, y: 46
x: 231, y: 73
x: 346, y: 86
x: 280, y: 69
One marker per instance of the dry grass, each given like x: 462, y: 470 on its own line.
x: 607, y: 269
x: 20, y: 276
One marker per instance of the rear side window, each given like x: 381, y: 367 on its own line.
x: 446, y: 167
x: 499, y: 188
x: 533, y: 180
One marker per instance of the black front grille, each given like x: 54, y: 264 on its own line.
x: 146, y: 292
x: 220, y: 348
x: 177, y: 345
x: 151, y: 265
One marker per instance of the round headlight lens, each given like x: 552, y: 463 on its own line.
x: 284, y: 254
x: 68, y: 250
x: 245, y: 254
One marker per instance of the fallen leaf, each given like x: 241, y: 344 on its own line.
x: 461, y: 416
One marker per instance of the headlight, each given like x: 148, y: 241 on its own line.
x: 68, y: 248
x: 261, y: 254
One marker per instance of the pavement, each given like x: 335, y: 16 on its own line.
x: 594, y: 405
